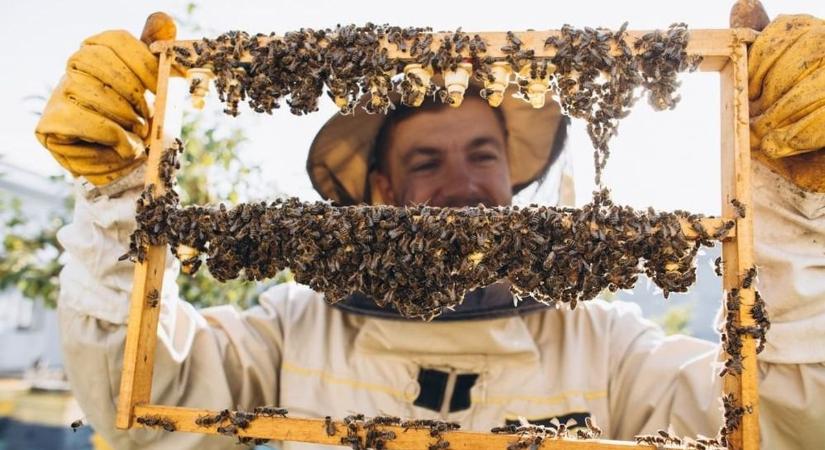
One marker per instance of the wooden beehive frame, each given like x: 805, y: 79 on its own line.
x: 722, y: 50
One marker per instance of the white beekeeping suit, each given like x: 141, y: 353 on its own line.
x: 295, y: 351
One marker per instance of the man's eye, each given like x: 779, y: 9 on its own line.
x: 424, y: 167
x: 483, y: 157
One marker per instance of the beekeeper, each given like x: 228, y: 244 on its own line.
x: 487, y: 362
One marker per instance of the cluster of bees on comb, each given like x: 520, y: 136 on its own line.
x: 421, y: 260
x: 595, y: 73
x: 733, y: 333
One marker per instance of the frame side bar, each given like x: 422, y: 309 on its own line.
x: 737, y: 253
x: 141, y: 334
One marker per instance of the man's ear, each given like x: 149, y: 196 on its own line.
x: 381, y: 192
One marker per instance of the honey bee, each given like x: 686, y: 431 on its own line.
x: 440, y: 445
x: 270, y: 411
x: 707, y: 442
x: 228, y: 430
x: 329, y: 426
x: 750, y: 275
x: 562, y: 428
x: 740, y: 208
x: 353, y: 442
x: 385, y: 420
x: 194, y: 84
x: 240, y: 422
x: 594, y: 429
x: 76, y: 425
x: 717, y: 265
x: 208, y: 421
x: 152, y: 298
x: 506, y: 429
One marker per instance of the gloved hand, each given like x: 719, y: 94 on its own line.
x: 97, y: 117
x: 786, y: 77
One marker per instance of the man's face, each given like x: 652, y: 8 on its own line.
x: 447, y: 157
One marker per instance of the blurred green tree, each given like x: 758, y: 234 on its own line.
x: 30, y: 253
x: 675, y: 320
x: 211, y: 170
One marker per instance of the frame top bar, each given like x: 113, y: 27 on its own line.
x: 715, y: 46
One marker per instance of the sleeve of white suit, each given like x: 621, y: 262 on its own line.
x: 660, y: 381
x: 217, y: 358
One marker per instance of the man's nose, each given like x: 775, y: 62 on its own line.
x: 460, y: 187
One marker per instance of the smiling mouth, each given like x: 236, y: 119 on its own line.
x: 463, y: 202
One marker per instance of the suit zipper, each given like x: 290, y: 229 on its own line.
x: 448, y: 393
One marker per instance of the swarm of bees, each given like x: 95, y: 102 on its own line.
x: 732, y: 343
x: 436, y: 427
x: 230, y: 423
x: 667, y: 438
x: 594, y: 73
x: 421, y: 260
x: 150, y: 225
x: 732, y: 333
x: 733, y: 412
x: 600, y: 87
x: 530, y: 436
x: 374, y: 437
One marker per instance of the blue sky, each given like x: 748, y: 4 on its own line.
x: 668, y: 160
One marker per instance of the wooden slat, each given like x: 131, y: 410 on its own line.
x: 713, y: 45
x: 314, y: 431
x: 737, y: 253
x: 141, y: 337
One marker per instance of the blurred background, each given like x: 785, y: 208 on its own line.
x: 668, y: 160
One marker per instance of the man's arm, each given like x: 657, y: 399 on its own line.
x: 222, y: 358
x: 661, y: 381
x: 94, y: 124
x: 656, y: 383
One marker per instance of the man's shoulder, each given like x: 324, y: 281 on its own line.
x: 596, y: 309
x: 597, y: 316
x: 290, y: 296
x: 296, y: 303
x: 287, y: 291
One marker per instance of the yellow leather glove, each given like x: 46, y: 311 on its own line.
x: 786, y: 75
x: 96, y: 120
